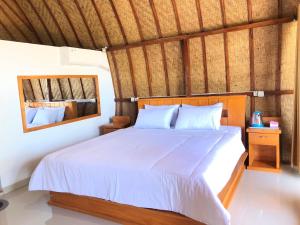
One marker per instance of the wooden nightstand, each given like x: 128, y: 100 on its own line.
x: 118, y: 122
x: 264, y: 149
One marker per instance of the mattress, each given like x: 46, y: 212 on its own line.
x: 176, y: 170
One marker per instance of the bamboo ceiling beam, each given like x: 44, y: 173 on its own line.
x: 31, y: 87
x: 143, y: 47
x: 112, y: 53
x: 278, y: 65
x: 56, y: 22
x: 7, y: 31
x: 86, y: 24
x: 59, y: 2
x: 225, y: 37
x: 71, y: 90
x: 186, y: 63
x: 42, y: 21
x: 41, y: 89
x: 60, y: 88
x: 82, y: 88
x: 162, y: 46
x: 203, y: 45
x: 251, y: 55
x: 127, y: 50
x: 14, y: 24
x: 28, y: 21
x: 228, y: 29
x: 176, y: 16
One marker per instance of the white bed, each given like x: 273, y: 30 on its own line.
x: 166, y: 169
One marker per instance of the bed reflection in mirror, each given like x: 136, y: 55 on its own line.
x: 47, y: 101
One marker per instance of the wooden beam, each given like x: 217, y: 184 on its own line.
x: 60, y: 88
x: 225, y: 38
x: 278, y: 65
x: 251, y: 55
x: 176, y: 16
x: 7, y: 31
x: 56, y: 22
x: 59, y: 2
x: 71, y: 90
x: 127, y: 50
x: 186, y: 61
x: 82, y: 88
x: 162, y: 47
x: 149, y: 75
x: 86, y: 24
x: 31, y: 87
x: 203, y: 45
x: 49, y: 88
x: 118, y: 79
x: 40, y: 85
x: 15, y: 25
x: 28, y: 20
x: 228, y: 29
x: 42, y: 22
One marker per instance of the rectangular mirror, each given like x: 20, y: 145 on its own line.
x: 48, y: 101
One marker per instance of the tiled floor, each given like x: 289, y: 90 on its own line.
x: 261, y: 199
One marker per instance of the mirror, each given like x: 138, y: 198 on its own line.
x: 48, y: 101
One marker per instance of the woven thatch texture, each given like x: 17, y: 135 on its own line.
x: 4, y: 34
x: 175, y: 69
x: 236, y: 11
x: 188, y: 17
x: 140, y: 71
x: 124, y: 70
x: 145, y: 16
x: 79, y: 25
x: 157, y: 70
x: 110, y: 22
x: 89, y: 87
x: 127, y: 19
x: 63, y: 23
x: 216, y: 63
x: 113, y: 74
x: 48, y: 20
x: 209, y: 8
x: 265, y: 60
x: 28, y: 92
x: 239, y: 61
x: 196, y: 69
x: 37, y: 89
x: 65, y: 88
x: 166, y: 17
x: 56, y: 93
x: 76, y: 88
x: 13, y: 30
x: 288, y: 71
x: 264, y: 9
x: 93, y: 22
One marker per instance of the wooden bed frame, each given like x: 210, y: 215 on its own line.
x: 131, y: 215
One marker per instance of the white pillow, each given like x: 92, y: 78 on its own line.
x: 219, y: 104
x: 174, y: 107
x: 154, y: 118
x: 60, y: 112
x: 30, y: 113
x: 199, y: 118
x: 45, y: 116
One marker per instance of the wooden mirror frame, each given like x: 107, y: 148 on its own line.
x: 22, y: 100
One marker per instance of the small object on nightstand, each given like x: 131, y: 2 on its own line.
x: 264, y: 149
x: 118, y: 122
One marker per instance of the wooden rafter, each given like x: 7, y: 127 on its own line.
x: 49, y: 88
x: 82, y: 88
x: 60, y: 88
x: 162, y: 47
x: 7, y: 31
x: 176, y: 16
x: 203, y: 45
x: 70, y: 22
x: 228, y: 29
x: 56, y: 22
x: 278, y: 65
x: 42, y: 21
x: 251, y: 54
x: 86, y: 24
x: 225, y: 37
x: 40, y: 85
x: 31, y: 87
x: 186, y: 62
x: 71, y: 89
x: 118, y: 80
x: 28, y: 21
x: 14, y: 24
x: 127, y: 50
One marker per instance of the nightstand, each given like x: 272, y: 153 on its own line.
x: 118, y: 122
x: 264, y: 149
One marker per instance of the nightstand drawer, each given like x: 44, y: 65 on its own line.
x: 263, y: 139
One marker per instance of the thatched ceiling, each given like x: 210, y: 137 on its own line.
x: 93, y: 24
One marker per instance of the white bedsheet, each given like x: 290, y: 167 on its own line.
x: 176, y: 170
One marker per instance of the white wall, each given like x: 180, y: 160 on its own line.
x: 20, y: 152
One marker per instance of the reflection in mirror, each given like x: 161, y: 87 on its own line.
x: 48, y: 101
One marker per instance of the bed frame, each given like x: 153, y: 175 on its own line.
x: 234, y: 114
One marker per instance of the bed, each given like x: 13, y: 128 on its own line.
x: 135, y: 176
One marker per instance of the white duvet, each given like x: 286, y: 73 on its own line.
x: 176, y: 170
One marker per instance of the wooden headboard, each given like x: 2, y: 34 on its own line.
x: 70, y: 107
x: 234, y: 110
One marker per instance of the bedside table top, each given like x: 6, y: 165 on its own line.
x: 264, y: 130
